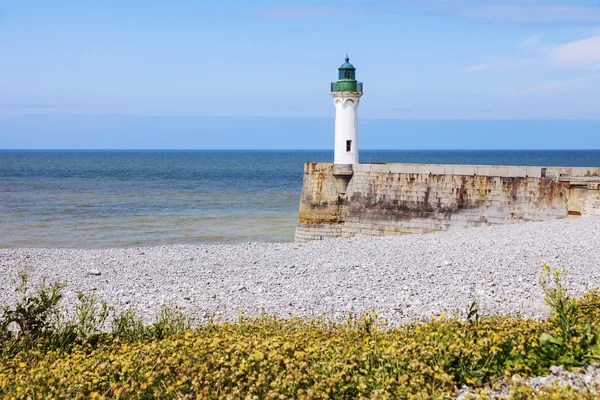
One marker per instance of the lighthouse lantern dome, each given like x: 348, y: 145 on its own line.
x: 347, y: 70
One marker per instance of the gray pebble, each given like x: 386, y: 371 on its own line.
x: 402, y: 278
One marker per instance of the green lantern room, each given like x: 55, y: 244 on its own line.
x: 347, y: 79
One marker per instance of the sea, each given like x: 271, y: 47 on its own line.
x: 129, y: 198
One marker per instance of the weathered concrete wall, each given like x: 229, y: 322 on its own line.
x: 396, y: 199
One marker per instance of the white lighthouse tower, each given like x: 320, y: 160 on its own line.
x: 346, y: 93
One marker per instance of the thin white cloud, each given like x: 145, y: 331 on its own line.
x: 585, y: 52
x: 521, y: 11
x: 502, y: 64
x: 587, y: 82
x: 531, y: 41
x: 547, y: 87
x: 477, y: 68
x: 299, y: 11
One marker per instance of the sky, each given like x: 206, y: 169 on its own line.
x: 206, y: 74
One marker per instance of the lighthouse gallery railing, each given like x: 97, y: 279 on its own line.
x: 359, y: 87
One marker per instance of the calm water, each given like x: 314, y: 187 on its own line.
x: 98, y: 199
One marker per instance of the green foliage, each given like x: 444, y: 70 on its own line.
x: 296, y: 358
x: 90, y: 315
x: 571, y: 341
x: 37, y: 321
x: 32, y: 318
x: 128, y: 325
x: 34, y: 313
x: 170, y: 320
x: 271, y: 357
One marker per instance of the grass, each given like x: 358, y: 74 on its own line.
x: 275, y: 358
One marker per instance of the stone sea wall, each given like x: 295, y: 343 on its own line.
x: 396, y: 199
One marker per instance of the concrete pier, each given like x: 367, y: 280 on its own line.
x: 397, y: 199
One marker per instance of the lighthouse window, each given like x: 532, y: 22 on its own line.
x: 348, y: 145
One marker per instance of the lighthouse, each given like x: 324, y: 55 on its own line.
x: 346, y: 93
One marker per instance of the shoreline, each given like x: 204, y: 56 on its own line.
x: 402, y: 278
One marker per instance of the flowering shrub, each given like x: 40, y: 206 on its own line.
x: 275, y: 358
x: 574, y: 338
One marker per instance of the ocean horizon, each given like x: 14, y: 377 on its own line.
x: 129, y: 198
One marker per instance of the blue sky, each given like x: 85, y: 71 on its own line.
x: 70, y: 66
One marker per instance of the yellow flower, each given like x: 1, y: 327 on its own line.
x: 547, y: 268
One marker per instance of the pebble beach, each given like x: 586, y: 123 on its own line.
x: 401, y: 278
